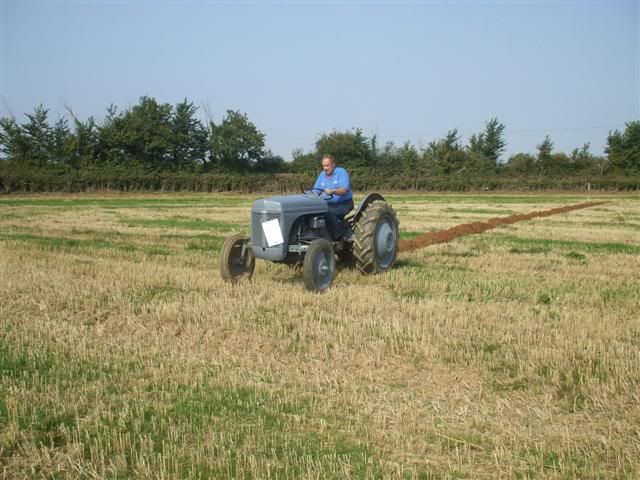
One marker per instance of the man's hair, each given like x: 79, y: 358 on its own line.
x: 330, y: 157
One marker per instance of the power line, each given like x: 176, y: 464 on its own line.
x: 564, y: 129
x: 462, y: 134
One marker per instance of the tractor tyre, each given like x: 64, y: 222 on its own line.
x: 233, y: 265
x: 376, y: 238
x: 319, y: 265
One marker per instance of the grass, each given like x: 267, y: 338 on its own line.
x: 184, y: 224
x: 539, y: 245
x: 498, y: 200
x: 507, y: 354
x: 119, y: 202
x: 409, y: 235
x: 61, y: 243
x: 480, y: 211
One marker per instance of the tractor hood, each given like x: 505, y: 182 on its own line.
x: 299, y: 204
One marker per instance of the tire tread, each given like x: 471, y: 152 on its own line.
x: 364, y: 236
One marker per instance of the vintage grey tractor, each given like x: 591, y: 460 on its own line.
x: 292, y: 229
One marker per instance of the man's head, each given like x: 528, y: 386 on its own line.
x: 328, y: 164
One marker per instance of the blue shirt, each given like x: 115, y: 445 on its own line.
x: 338, y: 179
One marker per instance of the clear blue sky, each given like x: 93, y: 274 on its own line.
x: 404, y: 71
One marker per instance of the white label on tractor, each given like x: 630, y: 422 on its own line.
x: 272, y: 232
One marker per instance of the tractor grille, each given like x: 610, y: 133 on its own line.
x: 257, y: 235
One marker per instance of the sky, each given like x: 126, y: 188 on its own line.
x: 403, y: 71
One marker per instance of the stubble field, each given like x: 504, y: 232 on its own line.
x: 513, y: 354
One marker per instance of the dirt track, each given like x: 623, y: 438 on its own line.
x: 444, y: 236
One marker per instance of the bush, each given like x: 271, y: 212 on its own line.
x: 59, y: 179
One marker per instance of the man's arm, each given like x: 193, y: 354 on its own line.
x: 343, y: 184
x: 335, y: 191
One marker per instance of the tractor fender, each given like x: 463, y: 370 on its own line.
x: 368, y: 200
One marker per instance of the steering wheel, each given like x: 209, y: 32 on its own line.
x: 313, y: 190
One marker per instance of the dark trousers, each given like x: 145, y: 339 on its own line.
x: 335, y: 217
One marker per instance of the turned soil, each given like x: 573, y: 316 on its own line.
x: 443, y: 236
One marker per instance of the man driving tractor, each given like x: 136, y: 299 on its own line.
x: 334, y: 181
x: 311, y: 229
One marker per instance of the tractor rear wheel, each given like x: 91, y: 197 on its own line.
x: 234, y: 264
x: 376, y: 238
x: 319, y: 265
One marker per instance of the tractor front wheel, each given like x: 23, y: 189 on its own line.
x: 236, y: 258
x: 319, y: 266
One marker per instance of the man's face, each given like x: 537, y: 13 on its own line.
x: 328, y: 166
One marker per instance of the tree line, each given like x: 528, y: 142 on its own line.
x: 154, y: 145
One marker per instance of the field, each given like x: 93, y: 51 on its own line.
x: 513, y: 354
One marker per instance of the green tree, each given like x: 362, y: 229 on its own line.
x: 304, y: 162
x: 373, y: 149
x: 388, y: 163
x: 84, y: 143
x: 109, y: 150
x: 445, y: 155
x: 545, y: 157
x: 62, y: 143
x: 581, y: 160
x: 409, y: 159
x: 189, y: 137
x: 236, y: 144
x: 403, y: 164
x: 561, y: 164
x: 490, y: 143
x: 623, y: 148
x: 520, y: 164
x: 270, y: 163
x: 14, y: 145
x: 140, y: 136
x: 38, y: 138
x: 147, y: 133
x: 351, y: 149
x: 581, y: 154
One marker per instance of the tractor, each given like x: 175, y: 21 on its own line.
x: 292, y: 229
